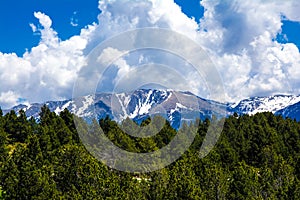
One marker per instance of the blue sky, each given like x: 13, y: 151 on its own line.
x: 17, y: 36
x: 290, y: 32
x: 254, y: 44
x: 15, y: 16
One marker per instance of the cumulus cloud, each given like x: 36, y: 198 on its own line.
x: 238, y: 36
x: 9, y: 98
x: 47, y: 71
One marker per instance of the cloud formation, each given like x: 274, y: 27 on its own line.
x: 44, y: 73
x: 242, y: 40
x: 239, y: 37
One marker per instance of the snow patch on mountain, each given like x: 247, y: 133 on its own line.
x: 59, y: 109
x: 272, y: 104
x: 173, y: 105
x: 143, y: 107
x: 83, y: 111
x: 179, y: 105
x: 124, y: 101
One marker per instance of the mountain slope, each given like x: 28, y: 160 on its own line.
x: 292, y: 111
x: 175, y: 106
x: 264, y: 104
x: 138, y: 105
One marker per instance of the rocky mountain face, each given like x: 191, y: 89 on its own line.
x: 175, y: 106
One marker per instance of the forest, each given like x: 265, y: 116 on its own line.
x: 256, y: 157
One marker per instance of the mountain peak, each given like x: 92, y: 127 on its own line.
x: 173, y: 105
x: 265, y: 104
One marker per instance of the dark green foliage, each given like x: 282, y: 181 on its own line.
x: 256, y: 157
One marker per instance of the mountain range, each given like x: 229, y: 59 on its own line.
x: 175, y: 106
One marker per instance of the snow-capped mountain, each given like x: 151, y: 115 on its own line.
x: 292, y: 111
x: 175, y: 106
x: 138, y: 105
x: 272, y: 104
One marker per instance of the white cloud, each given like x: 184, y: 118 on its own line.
x: 48, y: 35
x: 47, y: 71
x: 8, y: 98
x: 33, y: 27
x: 74, y: 20
x: 110, y: 54
x: 238, y: 36
x: 44, y: 20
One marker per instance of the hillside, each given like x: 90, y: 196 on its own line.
x: 256, y: 157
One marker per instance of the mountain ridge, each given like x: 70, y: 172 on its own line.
x: 175, y: 106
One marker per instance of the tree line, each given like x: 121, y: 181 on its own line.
x: 256, y: 157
